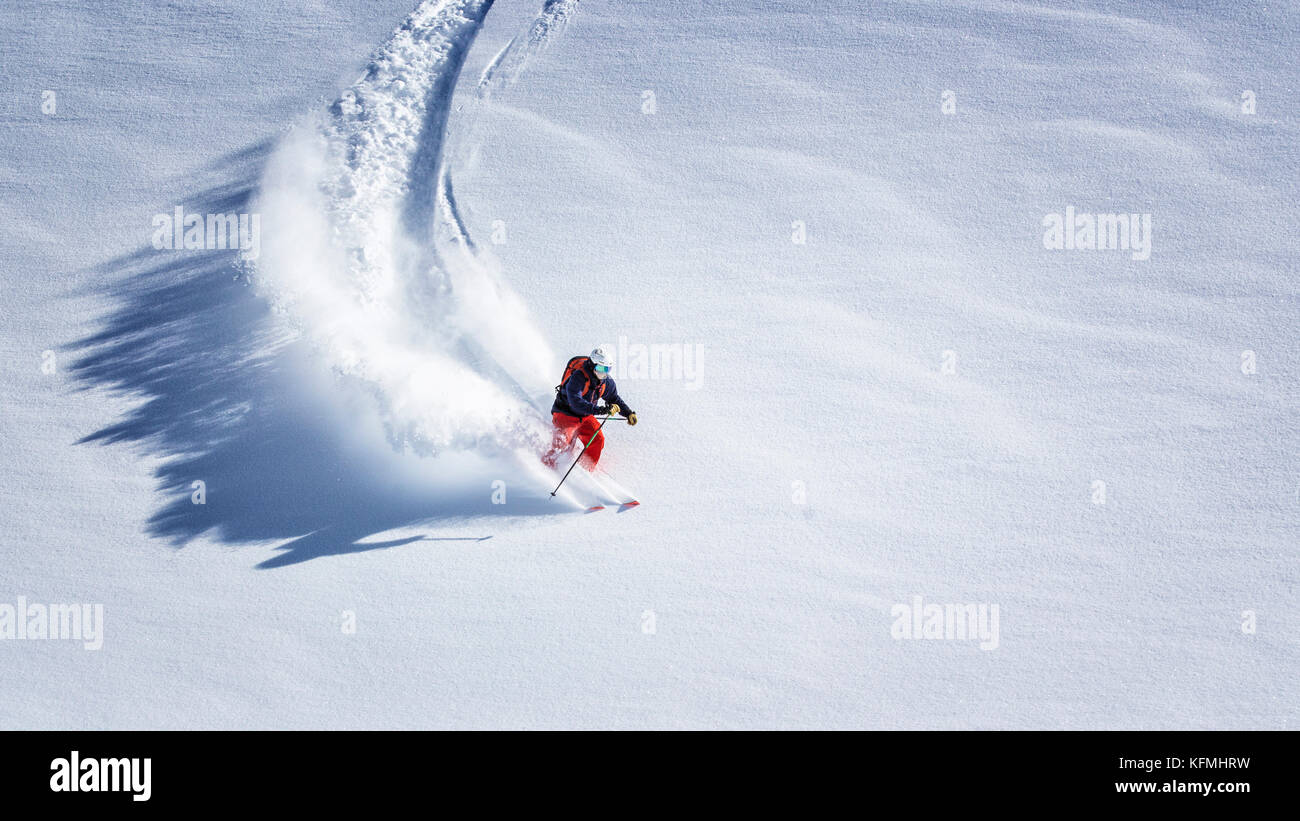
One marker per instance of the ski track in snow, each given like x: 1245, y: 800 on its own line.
x: 506, y: 68
x: 367, y: 257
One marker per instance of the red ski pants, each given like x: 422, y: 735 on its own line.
x: 566, y: 427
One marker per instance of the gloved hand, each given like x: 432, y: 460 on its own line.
x: 612, y: 410
x: 631, y: 418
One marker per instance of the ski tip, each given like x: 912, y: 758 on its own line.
x: 594, y: 508
x: 627, y: 505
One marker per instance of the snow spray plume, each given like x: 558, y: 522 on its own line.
x: 364, y: 254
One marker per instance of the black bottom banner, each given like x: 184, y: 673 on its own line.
x: 1217, y: 771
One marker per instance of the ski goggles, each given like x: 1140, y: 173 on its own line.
x: 603, y: 370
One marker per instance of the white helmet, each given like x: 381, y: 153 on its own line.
x: 601, y: 362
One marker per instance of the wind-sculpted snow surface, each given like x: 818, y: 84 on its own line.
x: 365, y: 256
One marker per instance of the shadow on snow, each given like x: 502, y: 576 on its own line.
x: 192, y: 343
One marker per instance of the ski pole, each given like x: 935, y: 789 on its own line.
x: 585, y: 445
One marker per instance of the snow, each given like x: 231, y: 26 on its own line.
x: 919, y: 399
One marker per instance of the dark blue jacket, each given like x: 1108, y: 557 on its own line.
x: 578, y: 396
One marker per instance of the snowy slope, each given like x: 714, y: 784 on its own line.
x: 916, y: 399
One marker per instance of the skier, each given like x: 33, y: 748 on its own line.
x: 585, y: 383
